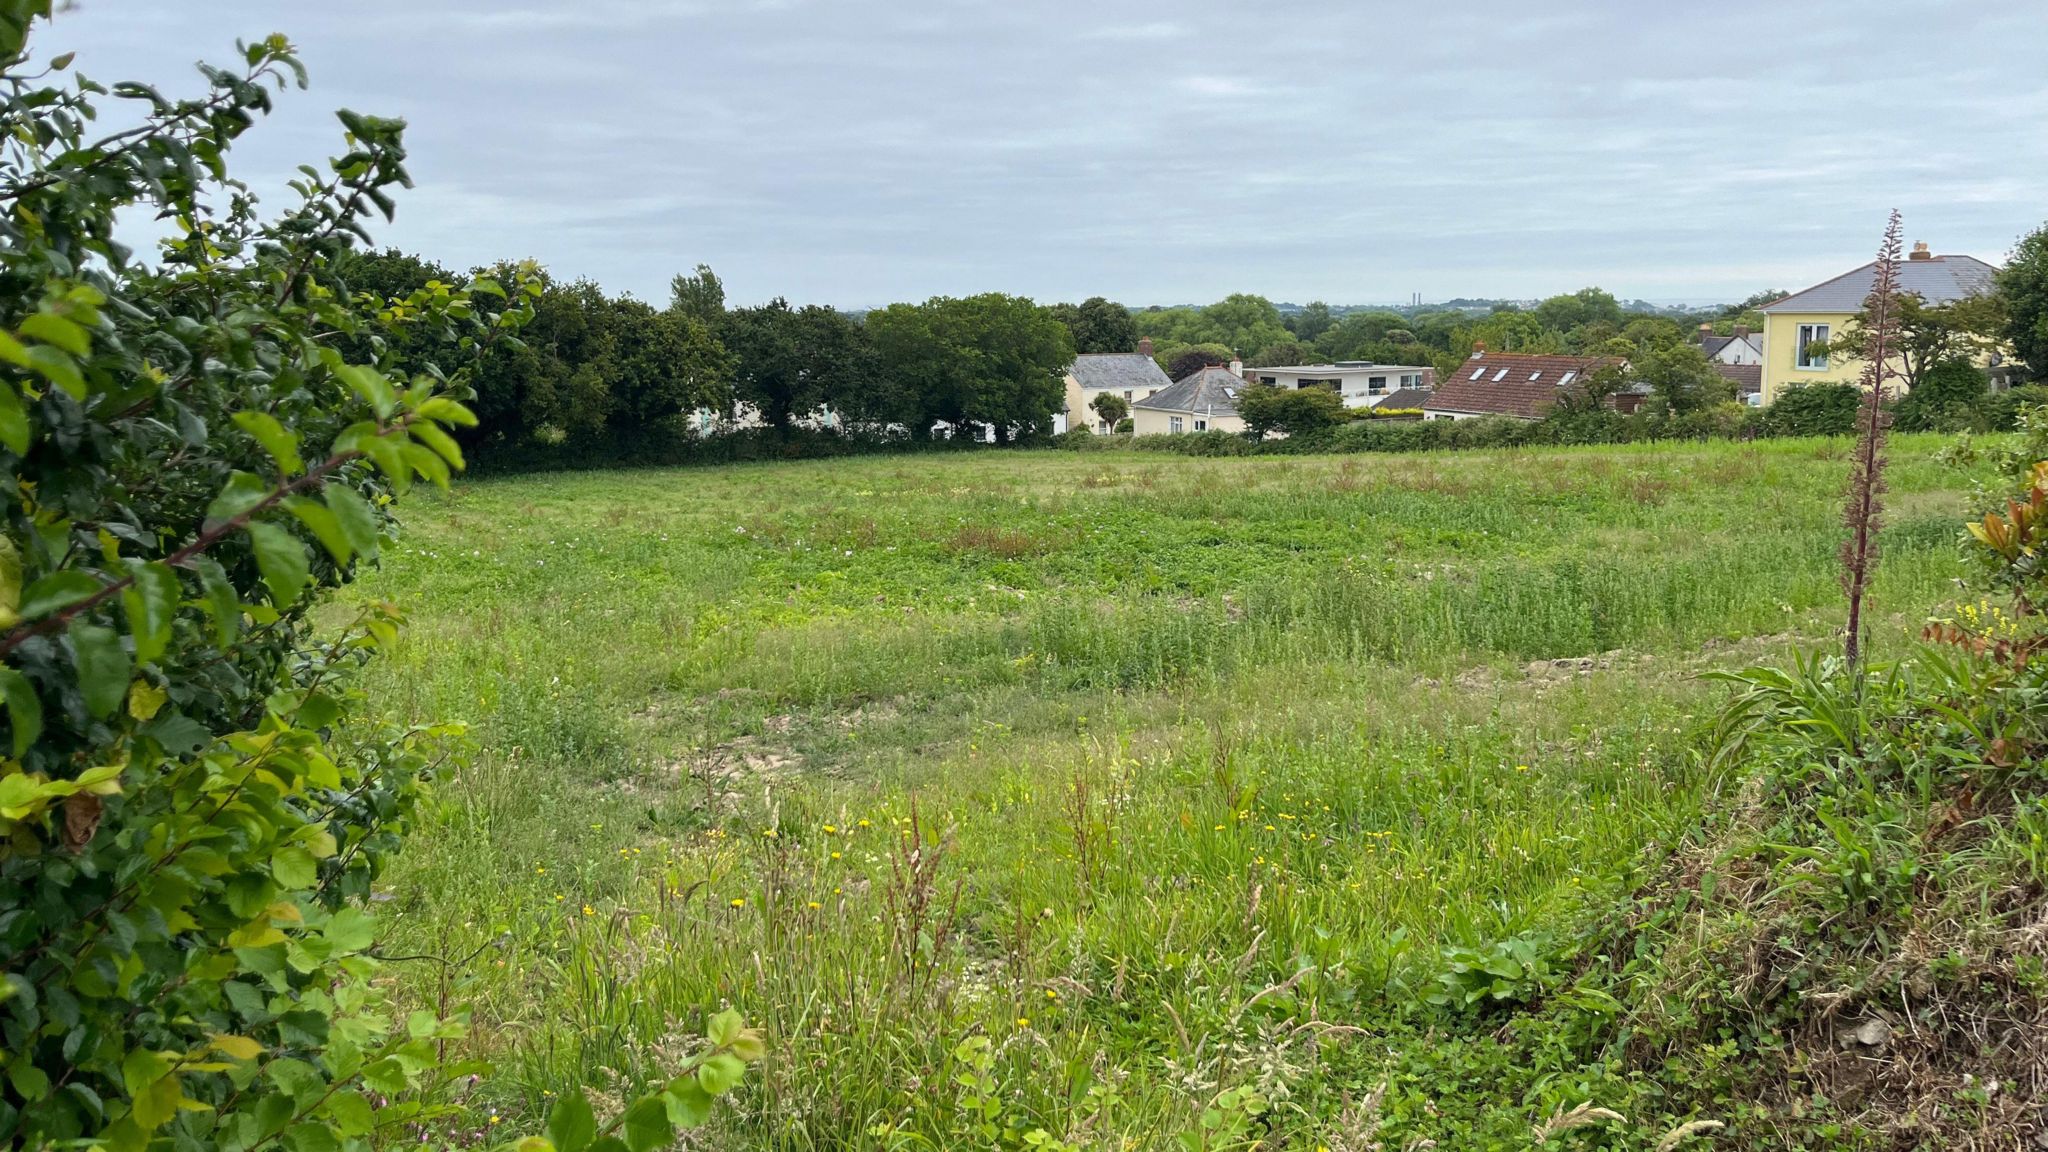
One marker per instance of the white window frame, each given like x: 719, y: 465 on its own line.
x: 1810, y: 334
x: 1175, y: 424
x: 1201, y: 425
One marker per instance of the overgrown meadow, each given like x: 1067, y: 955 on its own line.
x: 1062, y: 799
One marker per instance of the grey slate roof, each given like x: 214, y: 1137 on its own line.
x: 1937, y: 280
x: 1714, y: 344
x: 1406, y: 398
x: 1119, y: 371
x: 1212, y: 391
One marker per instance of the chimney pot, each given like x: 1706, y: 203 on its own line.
x: 1237, y: 367
x: 1706, y: 330
x: 1144, y: 346
x: 1478, y: 349
x: 1920, y: 251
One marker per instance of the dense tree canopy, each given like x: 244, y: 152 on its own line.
x: 1098, y: 325
x: 2024, y: 284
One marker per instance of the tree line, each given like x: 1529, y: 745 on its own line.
x: 597, y: 378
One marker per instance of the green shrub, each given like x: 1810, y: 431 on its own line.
x: 188, y: 816
x: 1813, y: 410
x: 1952, y: 396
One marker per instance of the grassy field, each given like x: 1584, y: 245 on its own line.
x: 1162, y: 776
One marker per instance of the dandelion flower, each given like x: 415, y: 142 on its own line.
x: 738, y: 902
x: 1023, y: 1021
x: 815, y: 905
x: 589, y: 911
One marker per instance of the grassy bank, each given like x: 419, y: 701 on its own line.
x: 1165, y: 777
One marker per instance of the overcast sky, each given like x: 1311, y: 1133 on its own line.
x: 856, y: 152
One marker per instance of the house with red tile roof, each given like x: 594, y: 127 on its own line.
x: 1524, y: 387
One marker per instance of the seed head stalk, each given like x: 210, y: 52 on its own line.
x: 1864, y: 511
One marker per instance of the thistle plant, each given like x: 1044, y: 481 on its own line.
x: 1863, y: 514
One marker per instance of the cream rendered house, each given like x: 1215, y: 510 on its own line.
x: 1798, y: 328
x: 1131, y: 375
x: 1203, y: 402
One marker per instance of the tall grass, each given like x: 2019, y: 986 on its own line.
x: 1216, y: 757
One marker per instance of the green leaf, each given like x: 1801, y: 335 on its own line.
x: 571, y: 1126
x: 350, y: 930
x: 294, y: 867
x: 282, y: 560
x: 351, y: 1114
x: 62, y: 331
x: 282, y: 443
x: 223, y: 603
x: 610, y: 1144
x: 24, y: 711
x: 443, y: 444
x: 323, y: 525
x: 58, y: 368
x: 647, y: 1126
x: 103, y: 667
x: 242, y: 492
x: 688, y: 1105
x: 10, y: 583
x: 355, y: 518
x: 723, y: 1028
x: 442, y: 410
x: 30, y: 1081
x: 371, y: 385
x: 58, y: 591
x: 426, y: 464
x: 151, y: 603
x: 720, y: 1074
x: 14, y: 430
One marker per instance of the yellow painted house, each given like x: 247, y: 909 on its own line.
x: 1797, y: 328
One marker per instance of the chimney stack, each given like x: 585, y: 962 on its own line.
x: 1741, y: 331
x: 1237, y: 367
x: 1478, y: 349
x: 1706, y: 330
x: 1920, y: 251
x: 1144, y: 345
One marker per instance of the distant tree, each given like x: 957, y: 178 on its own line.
x: 659, y: 367
x: 1185, y: 362
x: 768, y: 369
x: 1646, y: 332
x: 1242, y: 321
x: 389, y: 273
x: 1098, y: 325
x: 1680, y: 378
x: 1290, y: 411
x: 2024, y: 284
x: 992, y: 360
x: 1351, y: 337
x: 1018, y: 356
x: 551, y: 384
x: 700, y: 294
x: 1285, y: 352
x: 1928, y: 334
x: 916, y: 362
x: 1311, y: 322
x: 1564, y: 313
x: 836, y: 356
x: 1952, y: 396
x: 1110, y: 408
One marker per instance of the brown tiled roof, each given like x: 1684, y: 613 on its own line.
x: 1747, y: 378
x: 1510, y: 385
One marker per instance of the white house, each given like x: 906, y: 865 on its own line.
x: 1361, y: 383
x: 1745, y: 347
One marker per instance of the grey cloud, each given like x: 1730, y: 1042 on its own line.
x: 861, y: 151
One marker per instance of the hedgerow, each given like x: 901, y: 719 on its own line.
x: 191, y: 816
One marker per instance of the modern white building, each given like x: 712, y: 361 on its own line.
x: 1361, y: 383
